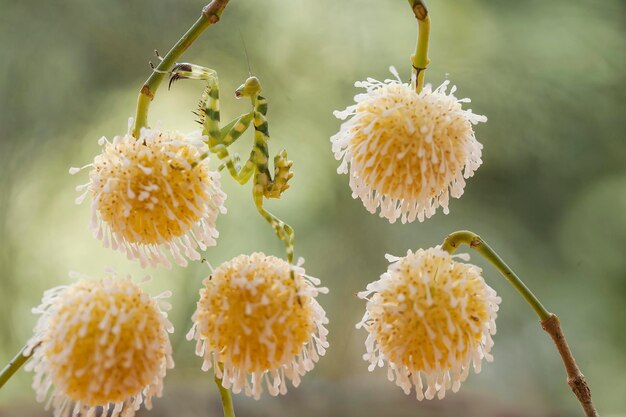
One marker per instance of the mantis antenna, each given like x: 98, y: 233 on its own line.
x: 245, y: 50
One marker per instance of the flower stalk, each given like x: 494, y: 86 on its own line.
x: 474, y: 241
x: 16, y: 363
x: 549, y: 321
x: 420, y: 59
x: 226, y: 397
x: 211, y: 14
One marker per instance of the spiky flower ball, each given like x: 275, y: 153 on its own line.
x: 100, y: 344
x: 154, y: 192
x: 429, y: 317
x: 258, y: 322
x: 406, y: 152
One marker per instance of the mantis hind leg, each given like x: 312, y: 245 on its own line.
x: 283, y: 230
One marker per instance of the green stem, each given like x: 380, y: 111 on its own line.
x: 419, y: 60
x: 227, y: 399
x: 211, y: 14
x: 15, y: 364
x: 474, y: 241
x: 549, y: 322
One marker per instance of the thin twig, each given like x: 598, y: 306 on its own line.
x: 549, y: 321
x: 575, y: 378
x: 211, y: 14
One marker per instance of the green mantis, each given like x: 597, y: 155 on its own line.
x: 257, y: 165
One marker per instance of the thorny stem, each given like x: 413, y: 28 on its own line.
x: 15, y: 364
x: 549, y: 321
x: 227, y: 400
x: 420, y: 60
x: 211, y: 14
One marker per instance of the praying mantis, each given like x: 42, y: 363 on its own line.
x: 257, y: 165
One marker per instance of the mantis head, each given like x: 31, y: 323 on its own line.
x: 251, y: 88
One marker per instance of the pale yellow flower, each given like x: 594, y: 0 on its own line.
x: 100, y: 344
x: 257, y: 324
x: 429, y: 317
x: 154, y: 192
x: 406, y: 152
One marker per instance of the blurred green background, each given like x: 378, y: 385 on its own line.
x: 551, y: 195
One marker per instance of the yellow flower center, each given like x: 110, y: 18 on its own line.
x: 432, y: 314
x: 405, y: 152
x: 249, y: 311
x: 106, y: 342
x: 150, y: 192
x: 406, y: 145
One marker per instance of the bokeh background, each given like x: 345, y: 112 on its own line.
x: 551, y: 195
